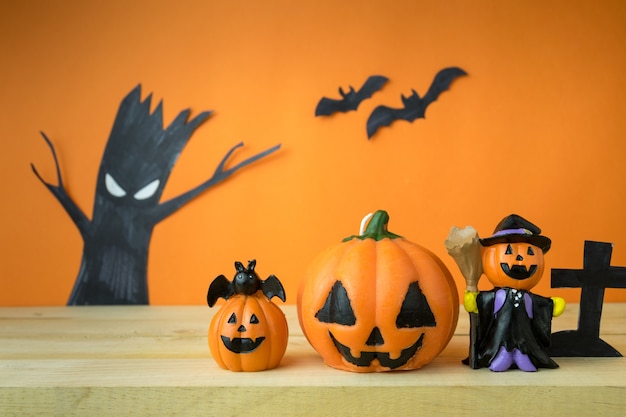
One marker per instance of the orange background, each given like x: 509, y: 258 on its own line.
x: 537, y: 128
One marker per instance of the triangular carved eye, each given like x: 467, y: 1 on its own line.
x: 254, y: 319
x: 337, y: 308
x: 232, y: 319
x: 415, y: 311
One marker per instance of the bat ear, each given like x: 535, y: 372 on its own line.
x: 251, y: 265
x: 239, y: 266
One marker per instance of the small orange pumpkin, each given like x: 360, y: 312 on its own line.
x: 249, y: 332
x: 378, y: 302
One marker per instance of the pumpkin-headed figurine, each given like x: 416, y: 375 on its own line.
x: 249, y: 332
x: 378, y: 302
x: 512, y: 325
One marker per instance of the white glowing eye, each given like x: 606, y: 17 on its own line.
x: 113, y: 187
x: 147, y: 191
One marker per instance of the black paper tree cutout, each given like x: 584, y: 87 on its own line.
x: 596, y: 275
x: 134, y: 169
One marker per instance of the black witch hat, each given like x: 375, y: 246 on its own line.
x: 514, y: 229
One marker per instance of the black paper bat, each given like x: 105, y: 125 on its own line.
x: 351, y: 99
x: 247, y: 282
x: 414, y: 106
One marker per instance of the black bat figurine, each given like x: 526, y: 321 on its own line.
x: 351, y: 99
x: 246, y: 282
x: 414, y: 106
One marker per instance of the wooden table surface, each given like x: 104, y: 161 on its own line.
x: 149, y: 360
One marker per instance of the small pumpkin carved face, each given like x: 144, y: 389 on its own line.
x: 517, y: 265
x: 377, y: 302
x: 249, y: 333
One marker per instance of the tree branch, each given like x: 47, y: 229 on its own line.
x: 76, y: 214
x: 167, y: 208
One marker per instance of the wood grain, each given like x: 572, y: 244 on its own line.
x: 118, y: 361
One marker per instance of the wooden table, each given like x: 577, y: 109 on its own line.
x: 135, y: 361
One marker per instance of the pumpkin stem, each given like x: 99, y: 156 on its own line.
x: 376, y: 228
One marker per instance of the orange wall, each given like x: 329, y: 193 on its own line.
x: 537, y: 128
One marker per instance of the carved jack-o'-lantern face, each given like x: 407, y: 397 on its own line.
x: 234, y: 340
x: 414, y: 313
x: 516, y: 265
x: 249, y: 333
x: 378, y: 302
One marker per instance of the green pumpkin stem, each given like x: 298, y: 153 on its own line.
x: 376, y: 228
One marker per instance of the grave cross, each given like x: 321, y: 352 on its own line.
x: 596, y: 275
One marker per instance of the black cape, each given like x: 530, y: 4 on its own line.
x: 512, y: 328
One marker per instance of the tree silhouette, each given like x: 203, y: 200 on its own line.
x: 134, y: 169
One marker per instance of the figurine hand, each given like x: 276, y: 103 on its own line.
x: 559, y: 306
x: 469, y: 301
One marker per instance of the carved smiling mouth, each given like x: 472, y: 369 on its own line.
x: 518, y: 272
x: 241, y: 344
x: 366, y: 358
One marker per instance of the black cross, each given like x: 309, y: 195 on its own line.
x: 596, y: 275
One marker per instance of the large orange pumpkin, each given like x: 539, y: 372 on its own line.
x: 378, y: 302
x: 249, y: 332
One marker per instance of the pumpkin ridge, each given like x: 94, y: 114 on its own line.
x: 222, y: 352
x: 346, y: 260
x: 332, y: 254
x: 277, y: 349
x: 453, y: 300
x: 239, y: 360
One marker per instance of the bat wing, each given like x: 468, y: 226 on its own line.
x: 372, y: 85
x: 272, y: 287
x: 441, y: 83
x: 384, y: 116
x: 220, y: 287
x: 351, y: 99
x: 328, y: 106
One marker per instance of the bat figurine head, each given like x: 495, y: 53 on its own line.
x: 245, y: 282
